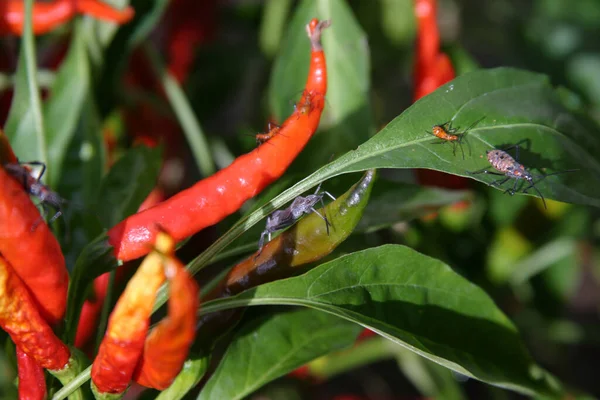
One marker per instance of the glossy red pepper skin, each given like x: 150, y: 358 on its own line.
x: 214, y: 198
x: 20, y: 318
x: 32, y: 382
x: 49, y: 15
x: 35, y: 254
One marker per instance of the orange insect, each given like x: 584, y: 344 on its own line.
x: 448, y: 134
x: 264, y: 137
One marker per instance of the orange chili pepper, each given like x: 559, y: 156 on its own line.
x: 20, y: 318
x: 32, y: 382
x: 123, y: 342
x: 32, y: 250
x: 214, y: 198
x: 49, y: 15
x: 168, y: 344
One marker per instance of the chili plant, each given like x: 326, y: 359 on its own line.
x: 229, y: 222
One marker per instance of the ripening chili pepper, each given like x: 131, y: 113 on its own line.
x: 168, y: 344
x: 49, y: 15
x: 214, y: 198
x: 32, y: 382
x: 124, y: 339
x: 20, y: 318
x: 305, y: 242
x: 30, y: 247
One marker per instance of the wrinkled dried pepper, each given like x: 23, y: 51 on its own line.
x: 20, y: 318
x: 32, y: 382
x: 34, y: 254
x: 168, y: 343
x: 214, y: 198
x: 49, y: 15
x: 125, y: 353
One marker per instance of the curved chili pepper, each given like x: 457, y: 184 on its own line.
x: 123, y: 341
x: 34, y: 253
x: 32, y: 382
x: 49, y: 15
x: 168, y: 344
x: 20, y: 318
x: 214, y: 198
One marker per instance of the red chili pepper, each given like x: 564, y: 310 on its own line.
x: 49, y: 15
x: 432, y: 69
x: 168, y: 344
x: 34, y: 253
x: 20, y: 318
x: 124, y: 339
x: 214, y: 198
x: 6, y: 152
x: 32, y: 382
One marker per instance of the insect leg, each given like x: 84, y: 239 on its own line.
x: 532, y: 185
x: 324, y: 219
x: 499, y: 182
x: 39, y: 163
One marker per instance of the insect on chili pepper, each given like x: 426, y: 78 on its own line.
x: 512, y: 169
x: 35, y: 187
x: 281, y: 219
x: 27, y: 250
x: 264, y: 137
x: 448, y: 134
x: 48, y: 15
x: 214, y: 198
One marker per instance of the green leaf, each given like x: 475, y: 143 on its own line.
x: 270, y: 347
x: 274, y: 17
x: 516, y: 104
x: 127, y: 184
x: 25, y: 124
x: 417, y: 302
x: 347, y: 116
x: 64, y: 107
x: 95, y: 259
x: 397, y: 202
x: 193, y: 370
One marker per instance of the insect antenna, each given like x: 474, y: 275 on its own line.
x: 544, y: 176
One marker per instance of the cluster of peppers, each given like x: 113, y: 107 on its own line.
x: 33, y: 299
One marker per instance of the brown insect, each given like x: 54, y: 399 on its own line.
x: 510, y: 167
x: 264, y: 137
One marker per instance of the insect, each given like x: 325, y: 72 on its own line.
x: 447, y: 133
x: 35, y: 187
x: 301, y: 205
x: 264, y: 137
x: 512, y: 169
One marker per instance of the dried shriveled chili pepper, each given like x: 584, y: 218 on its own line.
x: 160, y: 357
x: 32, y: 382
x: 32, y: 250
x: 168, y: 344
x: 49, y: 15
x: 20, y: 318
x: 214, y: 198
x: 123, y: 341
